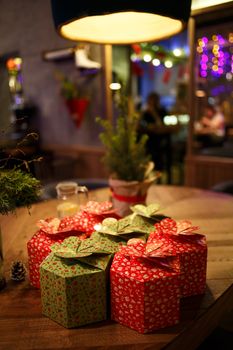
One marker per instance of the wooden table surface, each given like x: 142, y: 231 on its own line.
x: 22, y: 325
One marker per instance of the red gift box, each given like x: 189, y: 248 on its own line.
x: 38, y: 249
x: 192, y: 250
x: 145, y: 290
x: 51, y: 231
x: 55, y: 230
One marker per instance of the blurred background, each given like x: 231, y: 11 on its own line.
x: 41, y: 72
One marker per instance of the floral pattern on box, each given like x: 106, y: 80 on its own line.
x: 74, y: 281
x: 38, y: 247
x: 145, y: 287
x: 54, y: 230
x: 192, y: 250
x: 103, y: 209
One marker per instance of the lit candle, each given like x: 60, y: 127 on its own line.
x: 67, y: 209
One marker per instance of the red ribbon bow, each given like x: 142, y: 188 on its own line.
x: 82, y: 222
x: 182, y: 229
x: 55, y: 226
x: 99, y: 209
x: 153, y: 252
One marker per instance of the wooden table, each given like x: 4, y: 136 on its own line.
x: 23, y: 327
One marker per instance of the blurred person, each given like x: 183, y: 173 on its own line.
x: 154, y: 112
x: 210, y: 129
x: 151, y: 123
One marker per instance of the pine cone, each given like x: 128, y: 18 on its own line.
x: 18, y: 271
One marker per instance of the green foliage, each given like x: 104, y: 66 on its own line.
x: 125, y: 156
x: 69, y: 89
x: 17, y: 188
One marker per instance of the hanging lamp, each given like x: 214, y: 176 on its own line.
x: 119, y: 21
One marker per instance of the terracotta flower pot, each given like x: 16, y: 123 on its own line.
x: 128, y: 193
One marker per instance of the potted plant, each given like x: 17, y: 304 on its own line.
x: 17, y: 188
x: 131, y: 168
x: 75, y: 103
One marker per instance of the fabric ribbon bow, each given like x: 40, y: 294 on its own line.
x: 182, y: 229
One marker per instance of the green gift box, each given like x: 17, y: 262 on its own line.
x: 74, y: 280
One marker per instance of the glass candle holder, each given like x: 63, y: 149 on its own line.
x: 70, y: 196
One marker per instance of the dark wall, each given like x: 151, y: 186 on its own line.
x: 26, y: 26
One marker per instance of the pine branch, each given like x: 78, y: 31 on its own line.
x: 17, y: 189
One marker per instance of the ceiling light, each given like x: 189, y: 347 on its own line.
x: 115, y: 86
x: 119, y: 22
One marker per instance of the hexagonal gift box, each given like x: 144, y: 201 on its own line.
x: 145, y: 291
x: 74, y: 281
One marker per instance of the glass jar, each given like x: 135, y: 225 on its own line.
x: 70, y: 197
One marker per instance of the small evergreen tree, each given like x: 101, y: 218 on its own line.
x: 126, y: 156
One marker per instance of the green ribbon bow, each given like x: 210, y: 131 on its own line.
x: 149, y: 212
x: 122, y: 228
x: 90, y: 251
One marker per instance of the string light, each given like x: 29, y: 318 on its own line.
x: 177, y: 52
x: 168, y: 64
x: 156, y: 62
x: 155, y: 47
x: 157, y: 55
x: 200, y: 93
x: 214, y: 55
x: 230, y: 38
x: 147, y: 58
x: 134, y: 57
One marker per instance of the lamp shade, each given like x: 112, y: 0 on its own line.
x: 119, y: 21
